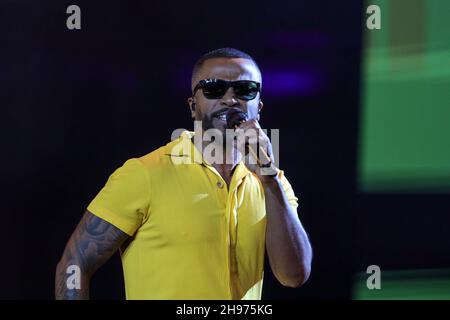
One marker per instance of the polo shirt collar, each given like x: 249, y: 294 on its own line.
x: 194, y: 156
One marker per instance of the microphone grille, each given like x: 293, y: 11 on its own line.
x: 235, y: 117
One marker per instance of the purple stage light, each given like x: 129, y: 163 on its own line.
x: 291, y: 82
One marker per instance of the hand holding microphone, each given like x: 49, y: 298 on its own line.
x: 237, y: 119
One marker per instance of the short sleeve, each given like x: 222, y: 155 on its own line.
x: 293, y: 200
x: 124, y: 200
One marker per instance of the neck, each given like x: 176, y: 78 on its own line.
x: 217, y: 154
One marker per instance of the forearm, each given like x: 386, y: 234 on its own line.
x: 287, y: 243
x: 65, y: 283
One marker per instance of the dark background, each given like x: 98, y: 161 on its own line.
x: 75, y: 104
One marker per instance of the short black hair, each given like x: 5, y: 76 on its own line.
x: 221, y: 53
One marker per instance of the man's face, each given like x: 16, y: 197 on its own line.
x: 230, y: 69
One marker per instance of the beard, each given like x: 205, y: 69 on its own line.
x: 218, y: 135
x: 207, y: 122
x: 215, y: 127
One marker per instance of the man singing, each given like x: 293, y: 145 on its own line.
x: 197, y: 228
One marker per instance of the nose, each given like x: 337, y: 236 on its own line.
x: 229, y: 99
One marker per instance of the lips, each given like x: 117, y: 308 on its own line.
x: 221, y: 114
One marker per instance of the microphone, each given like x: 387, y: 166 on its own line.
x: 234, y: 118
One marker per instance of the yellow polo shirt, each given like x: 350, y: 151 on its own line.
x: 193, y: 238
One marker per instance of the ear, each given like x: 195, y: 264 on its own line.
x: 190, y: 101
x: 260, y: 106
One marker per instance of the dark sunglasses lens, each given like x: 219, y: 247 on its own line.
x: 214, y: 90
x: 246, y: 90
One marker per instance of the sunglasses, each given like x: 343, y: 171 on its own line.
x: 216, y: 88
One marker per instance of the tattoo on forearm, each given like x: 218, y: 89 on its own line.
x: 92, y: 243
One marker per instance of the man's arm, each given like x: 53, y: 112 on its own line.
x: 92, y: 243
x: 287, y: 243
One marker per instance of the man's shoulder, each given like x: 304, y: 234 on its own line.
x: 160, y: 157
